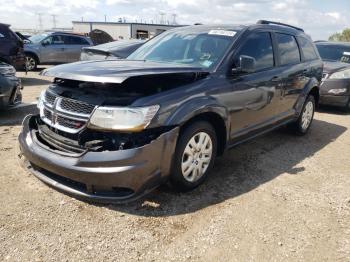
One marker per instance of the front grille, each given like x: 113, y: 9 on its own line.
x: 47, y: 113
x: 65, y: 114
x: 50, y: 98
x: 76, y: 106
x: 70, y: 123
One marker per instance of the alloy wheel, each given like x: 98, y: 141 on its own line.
x: 30, y: 63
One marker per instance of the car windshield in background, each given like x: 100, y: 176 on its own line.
x: 37, y: 38
x: 196, y: 49
x: 333, y: 52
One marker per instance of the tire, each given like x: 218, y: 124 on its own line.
x: 302, y: 125
x: 190, y: 167
x: 31, y: 62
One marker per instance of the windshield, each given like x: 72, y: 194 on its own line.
x: 334, y: 52
x: 37, y: 38
x: 190, y: 48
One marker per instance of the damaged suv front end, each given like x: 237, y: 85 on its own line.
x: 94, y: 140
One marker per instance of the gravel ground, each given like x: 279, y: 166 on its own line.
x: 278, y: 197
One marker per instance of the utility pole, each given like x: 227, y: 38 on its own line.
x: 174, y: 19
x: 162, y: 15
x: 105, y: 18
x: 54, y: 21
x: 40, y: 21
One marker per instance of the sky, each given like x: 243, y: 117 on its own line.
x: 319, y: 18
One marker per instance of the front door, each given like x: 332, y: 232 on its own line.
x: 253, y: 99
x: 52, y: 50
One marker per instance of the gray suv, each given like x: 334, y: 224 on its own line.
x: 56, y: 47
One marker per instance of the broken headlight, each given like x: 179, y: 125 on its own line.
x: 122, y: 118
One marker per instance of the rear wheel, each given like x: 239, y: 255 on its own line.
x: 302, y: 125
x: 31, y: 62
x: 194, y: 156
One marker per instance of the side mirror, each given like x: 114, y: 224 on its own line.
x: 43, y: 43
x: 246, y: 65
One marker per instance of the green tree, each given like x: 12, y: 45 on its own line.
x: 343, y: 36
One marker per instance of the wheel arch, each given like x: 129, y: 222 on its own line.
x: 204, y: 110
x: 34, y: 55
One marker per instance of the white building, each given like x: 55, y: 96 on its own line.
x: 122, y: 30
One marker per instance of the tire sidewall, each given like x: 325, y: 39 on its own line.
x: 176, y: 177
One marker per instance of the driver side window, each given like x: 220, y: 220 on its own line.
x: 258, y: 46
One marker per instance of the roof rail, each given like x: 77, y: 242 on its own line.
x: 266, y: 22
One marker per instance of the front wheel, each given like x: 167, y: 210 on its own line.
x: 302, y: 125
x: 194, y: 156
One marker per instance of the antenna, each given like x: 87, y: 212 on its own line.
x: 40, y: 21
x: 54, y: 21
x: 174, y: 19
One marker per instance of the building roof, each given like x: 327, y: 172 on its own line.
x: 122, y: 23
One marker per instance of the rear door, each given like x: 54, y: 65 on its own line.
x: 253, y: 99
x: 73, y: 45
x: 292, y: 70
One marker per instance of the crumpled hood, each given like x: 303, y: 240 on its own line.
x: 116, y: 71
x: 334, y: 66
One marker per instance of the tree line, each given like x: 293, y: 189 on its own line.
x: 341, y: 37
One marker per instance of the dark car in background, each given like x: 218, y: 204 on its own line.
x: 54, y: 48
x: 11, y: 47
x: 10, y: 86
x: 335, y: 87
x: 113, y: 50
x: 112, y: 130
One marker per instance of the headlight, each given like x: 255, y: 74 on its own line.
x: 41, y: 100
x: 341, y: 74
x: 337, y: 91
x: 122, y: 118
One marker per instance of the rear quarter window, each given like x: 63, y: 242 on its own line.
x: 288, y: 49
x: 307, y: 48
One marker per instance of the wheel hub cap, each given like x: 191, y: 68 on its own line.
x: 197, y: 156
x: 307, y: 115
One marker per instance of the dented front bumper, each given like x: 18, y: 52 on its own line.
x: 108, y: 176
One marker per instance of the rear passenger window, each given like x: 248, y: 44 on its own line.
x: 74, y: 40
x: 258, y: 46
x: 307, y: 48
x: 288, y: 49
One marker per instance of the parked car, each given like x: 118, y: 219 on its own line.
x: 335, y: 87
x: 54, y: 48
x: 10, y: 86
x: 114, y: 50
x: 11, y: 47
x: 113, y: 130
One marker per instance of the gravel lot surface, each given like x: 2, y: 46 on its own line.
x: 276, y: 198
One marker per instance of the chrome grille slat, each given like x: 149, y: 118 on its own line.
x: 65, y: 114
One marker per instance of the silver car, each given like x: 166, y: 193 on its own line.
x: 54, y: 48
